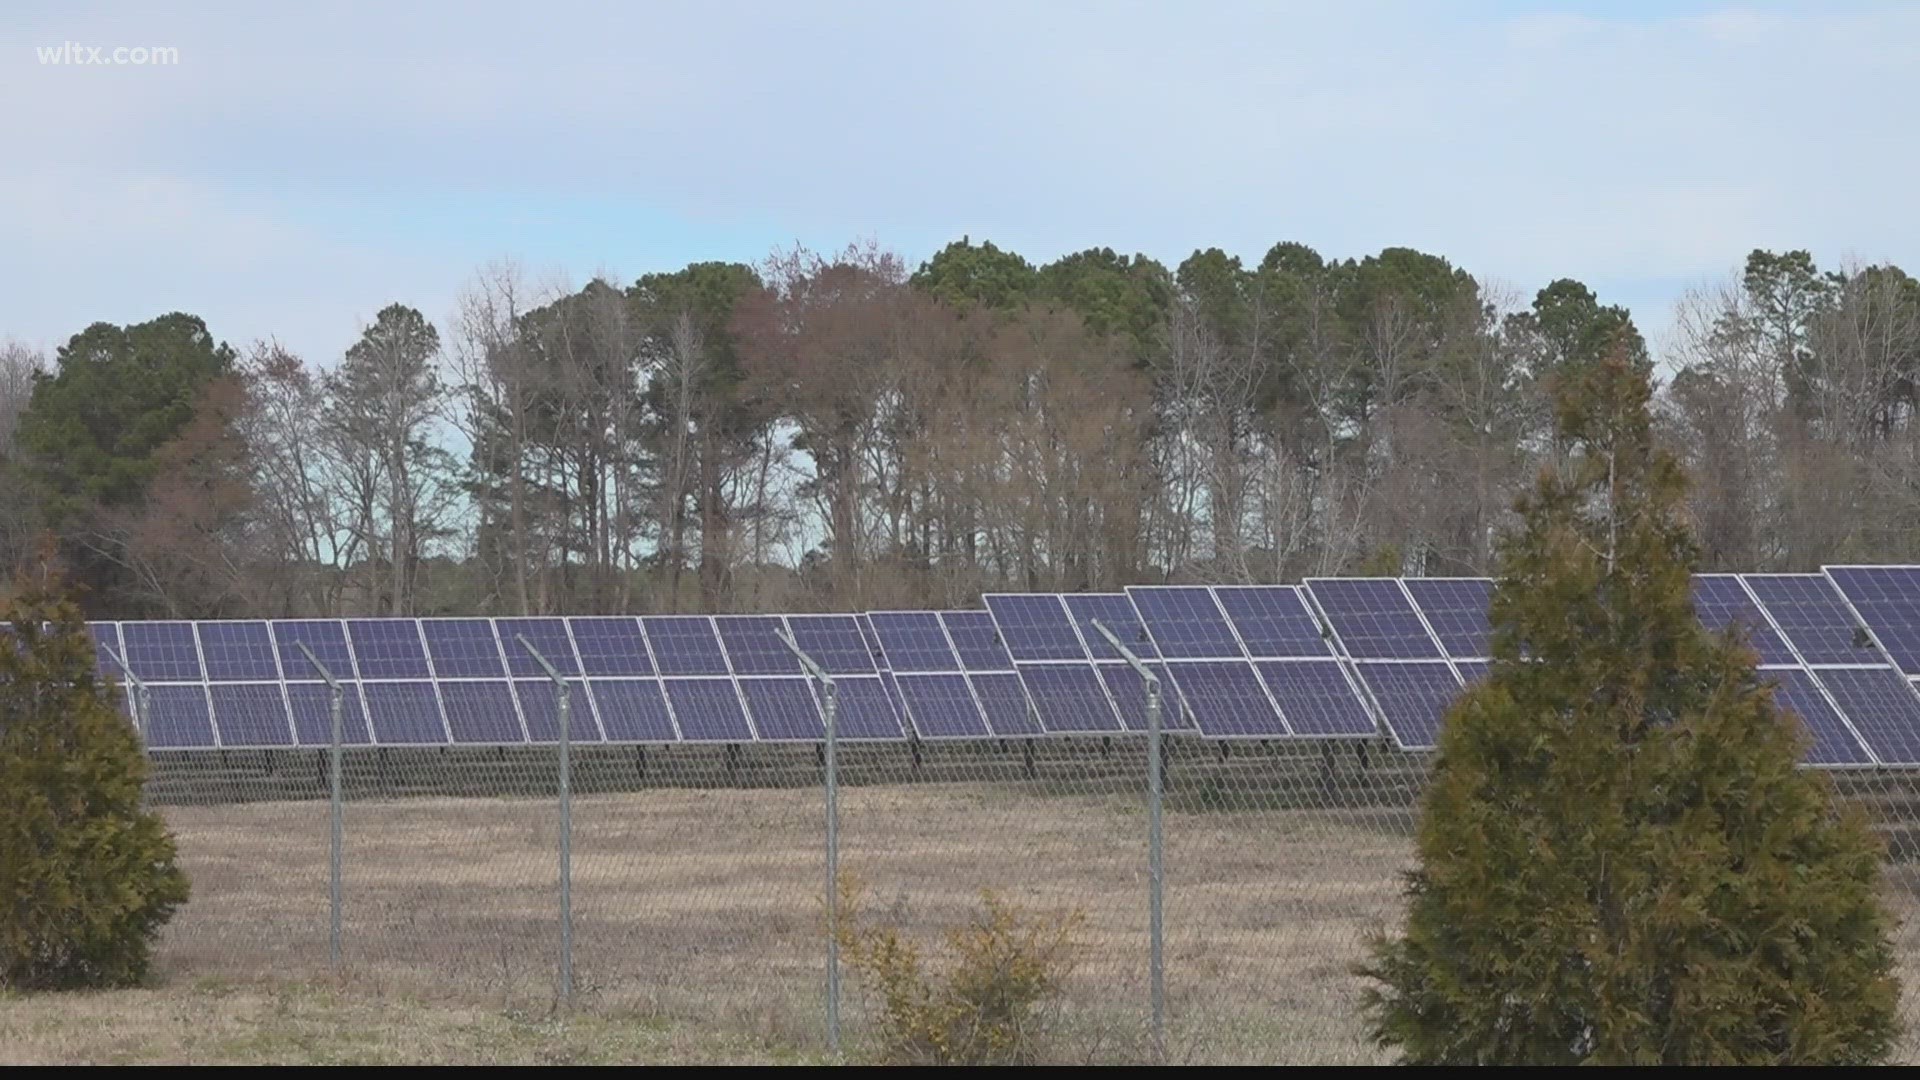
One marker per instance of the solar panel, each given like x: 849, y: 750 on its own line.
x: 706, y: 710
x: 1412, y: 698
x: 834, y: 642
x: 1833, y: 743
x: 913, y: 641
x: 481, y: 713
x: 549, y: 636
x: 1115, y: 612
x: 631, y: 710
x: 1315, y: 697
x: 1184, y: 622
x: 1457, y: 610
x: 1004, y: 703
x: 941, y: 705
x: 1887, y: 600
x: 327, y: 638
x: 783, y: 710
x: 106, y: 645
x: 163, y: 651
x: 252, y: 715
x: 463, y: 648
x: 1473, y: 671
x: 178, y: 718
x: 1226, y: 699
x: 1273, y: 620
x: 238, y: 652
x: 1035, y: 626
x: 754, y: 647
x: 1815, y: 618
x: 863, y: 710
x: 405, y: 713
x: 976, y: 640
x: 387, y: 649
x: 1129, y: 693
x: 312, y: 705
x: 1069, y: 698
x: 1373, y: 618
x: 684, y: 645
x: 1883, y: 709
x: 540, y: 708
x: 611, y: 645
x: 1719, y: 600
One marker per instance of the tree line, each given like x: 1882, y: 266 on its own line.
x: 840, y: 431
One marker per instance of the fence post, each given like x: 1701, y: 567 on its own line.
x: 336, y: 806
x: 1156, y: 925
x: 831, y: 705
x: 566, y: 821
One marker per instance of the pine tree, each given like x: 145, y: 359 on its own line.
x: 87, y: 877
x: 1620, y: 860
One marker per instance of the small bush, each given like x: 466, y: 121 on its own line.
x: 985, y: 1006
x: 86, y: 876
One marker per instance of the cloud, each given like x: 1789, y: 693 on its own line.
x: 334, y: 155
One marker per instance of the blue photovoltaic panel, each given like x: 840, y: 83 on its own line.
x: 1373, y: 618
x: 1473, y: 671
x: 313, y: 714
x: 1004, y: 703
x: 1273, y: 620
x: 1888, y: 600
x: 1815, y: 618
x: 1719, y: 601
x: 549, y: 636
x: 178, y: 719
x: 1833, y: 744
x: 1457, y: 609
x: 106, y: 644
x: 540, y: 708
x: 1115, y: 612
x: 461, y: 649
x: 1315, y: 697
x: 162, y: 651
x: 238, y: 652
x: 864, y: 710
x: 684, y: 645
x: 1413, y: 698
x: 387, y: 649
x: 1069, y: 698
x: 481, y: 712
x: 327, y: 638
x: 611, y: 645
x: 1226, y: 699
x: 783, y: 710
x: 1883, y: 709
x: 977, y: 641
x: 942, y: 707
x: 404, y: 713
x: 1129, y: 693
x: 913, y: 641
x: 251, y: 715
x: 834, y: 642
x: 754, y: 646
x: 1184, y: 622
x: 708, y: 709
x: 1035, y: 626
x: 633, y: 710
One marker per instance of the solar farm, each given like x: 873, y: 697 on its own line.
x: 995, y: 748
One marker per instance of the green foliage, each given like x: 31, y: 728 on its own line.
x: 963, y: 272
x: 986, y: 1006
x: 87, y: 877
x: 117, y: 395
x: 1620, y: 861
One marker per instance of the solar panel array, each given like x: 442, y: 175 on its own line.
x: 1332, y: 658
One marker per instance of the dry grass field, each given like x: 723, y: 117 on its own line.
x: 699, y: 927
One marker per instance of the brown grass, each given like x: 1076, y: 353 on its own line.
x: 700, y: 931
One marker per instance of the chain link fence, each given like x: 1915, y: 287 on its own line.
x: 698, y: 879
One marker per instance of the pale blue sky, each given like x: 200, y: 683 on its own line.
x: 297, y: 171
